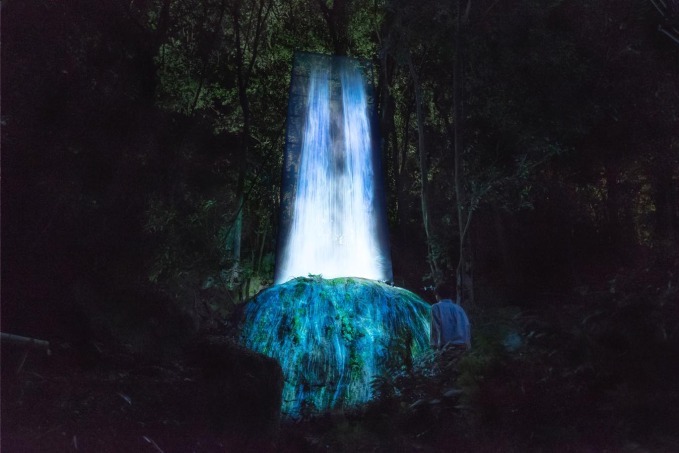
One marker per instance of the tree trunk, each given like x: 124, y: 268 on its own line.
x: 25, y: 342
x: 337, y: 19
x: 464, y: 272
x: 390, y: 138
x: 424, y: 170
x: 242, y: 168
x: 243, y: 72
x: 403, y: 207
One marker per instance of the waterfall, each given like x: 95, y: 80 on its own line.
x: 336, y: 227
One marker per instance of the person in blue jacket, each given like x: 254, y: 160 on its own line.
x: 449, y: 322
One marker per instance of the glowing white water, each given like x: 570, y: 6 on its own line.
x: 333, y: 229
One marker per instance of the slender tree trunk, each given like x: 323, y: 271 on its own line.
x: 402, y: 160
x: 149, y: 81
x: 390, y: 138
x: 243, y: 72
x: 398, y: 177
x: 387, y: 147
x: 424, y: 169
x: 240, y: 188
x: 464, y: 273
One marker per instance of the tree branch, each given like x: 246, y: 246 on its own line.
x: 26, y: 342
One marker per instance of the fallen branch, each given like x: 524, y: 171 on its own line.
x: 25, y: 342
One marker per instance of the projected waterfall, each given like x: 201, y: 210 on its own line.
x: 330, y: 319
x: 332, y: 222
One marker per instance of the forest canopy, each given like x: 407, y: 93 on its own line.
x: 532, y: 146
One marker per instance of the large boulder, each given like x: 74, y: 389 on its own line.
x: 332, y: 337
x: 240, y: 389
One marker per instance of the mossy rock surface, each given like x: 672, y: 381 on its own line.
x: 332, y: 337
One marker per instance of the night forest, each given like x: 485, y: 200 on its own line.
x: 530, y: 152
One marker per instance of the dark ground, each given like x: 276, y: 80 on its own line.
x: 574, y: 383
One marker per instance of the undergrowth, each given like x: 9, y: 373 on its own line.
x: 596, y: 374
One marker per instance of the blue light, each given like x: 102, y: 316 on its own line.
x: 332, y: 337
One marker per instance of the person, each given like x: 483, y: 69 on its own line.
x: 449, y: 322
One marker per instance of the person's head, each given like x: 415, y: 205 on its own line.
x: 444, y: 291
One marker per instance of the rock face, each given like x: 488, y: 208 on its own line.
x: 332, y: 337
x: 241, y: 389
